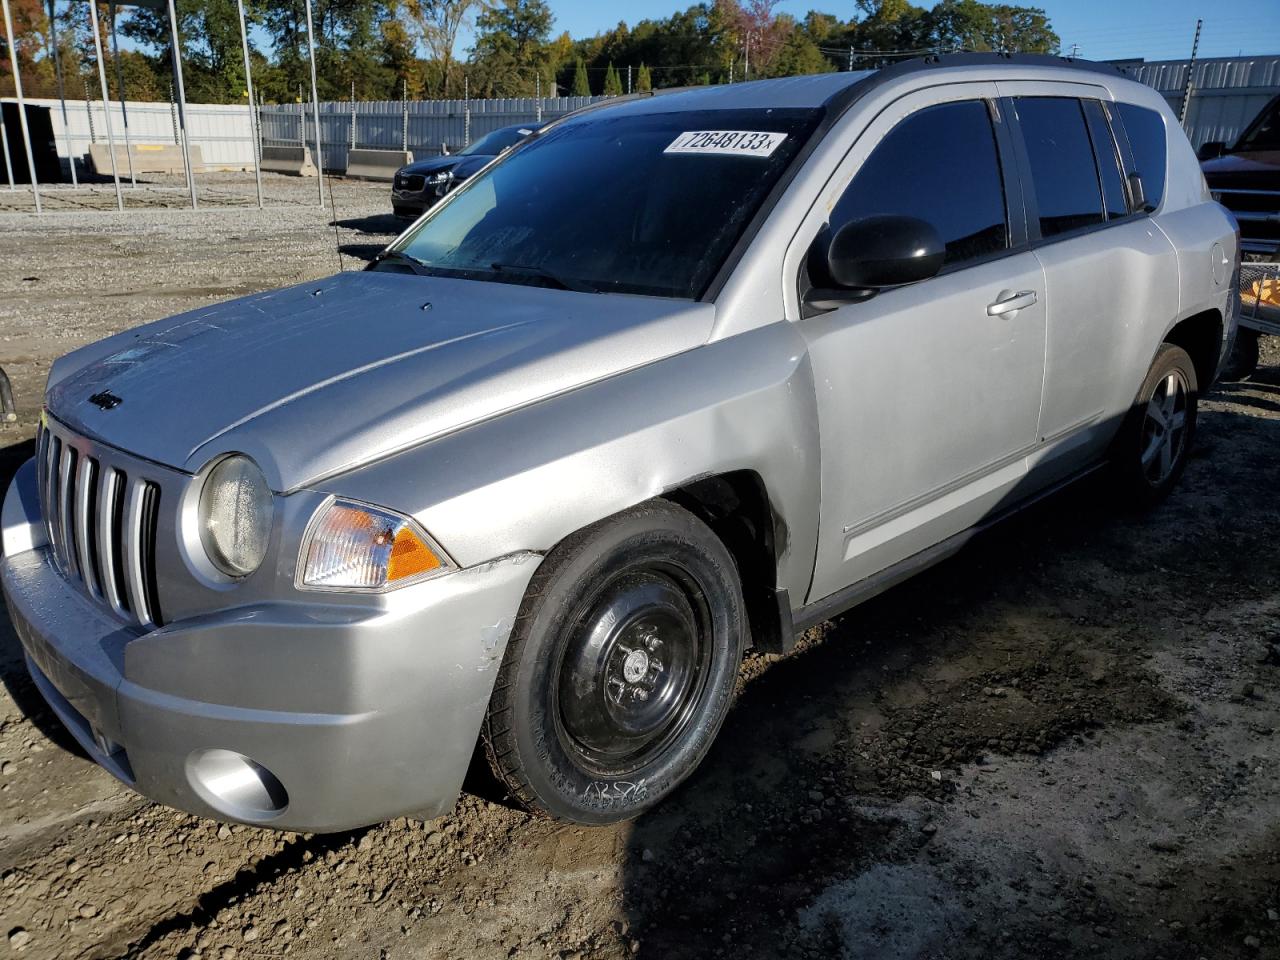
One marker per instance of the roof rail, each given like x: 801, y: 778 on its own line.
x: 999, y: 59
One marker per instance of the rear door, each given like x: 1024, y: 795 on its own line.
x: 1108, y: 269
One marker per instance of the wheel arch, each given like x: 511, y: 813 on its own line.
x: 737, y: 507
x: 1201, y: 336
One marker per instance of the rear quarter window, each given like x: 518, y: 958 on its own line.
x: 1147, y: 140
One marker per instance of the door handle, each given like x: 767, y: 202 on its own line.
x: 1008, y: 302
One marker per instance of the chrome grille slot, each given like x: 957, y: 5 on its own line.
x: 102, y: 521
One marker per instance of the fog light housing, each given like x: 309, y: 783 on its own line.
x: 236, y: 786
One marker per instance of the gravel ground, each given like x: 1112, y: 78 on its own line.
x: 1062, y: 742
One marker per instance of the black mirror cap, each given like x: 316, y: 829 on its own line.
x: 1211, y: 150
x: 884, y: 251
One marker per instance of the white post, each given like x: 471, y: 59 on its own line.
x: 466, y: 111
x: 404, y: 115
x: 254, y: 134
x: 315, y: 102
x: 353, y: 115
x: 537, y: 85
x: 62, y: 92
x: 22, y: 106
x: 182, y: 102
x: 4, y: 142
x: 124, y: 110
x: 106, y: 99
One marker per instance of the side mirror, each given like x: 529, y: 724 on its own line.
x: 869, y: 254
x: 1211, y: 150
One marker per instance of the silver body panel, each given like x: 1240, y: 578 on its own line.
x: 504, y: 418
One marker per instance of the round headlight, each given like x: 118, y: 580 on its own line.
x: 235, y: 516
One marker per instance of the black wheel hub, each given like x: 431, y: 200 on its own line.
x: 632, y: 672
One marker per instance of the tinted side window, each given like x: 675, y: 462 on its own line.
x: 1114, y: 197
x: 1145, y: 130
x: 1062, y: 167
x: 939, y: 165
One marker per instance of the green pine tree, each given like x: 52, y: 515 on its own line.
x: 581, y: 85
x: 612, y: 83
x: 644, y: 82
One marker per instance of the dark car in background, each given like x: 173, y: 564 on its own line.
x: 1245, y: 178
x: 420, y: 184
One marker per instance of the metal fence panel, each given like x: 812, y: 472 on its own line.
x: 221, y: 131
x: 430, y: 125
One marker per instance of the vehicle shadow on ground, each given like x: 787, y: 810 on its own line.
x: 382, y: 224
x: 366, y: 252
x: 13, y: 667
x: 888, y: 702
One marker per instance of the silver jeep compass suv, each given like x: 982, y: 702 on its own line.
x: 674, y: 376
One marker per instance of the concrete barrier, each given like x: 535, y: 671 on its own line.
x: 294, y: 160
x: 376, y: 164
x: 147, y: 158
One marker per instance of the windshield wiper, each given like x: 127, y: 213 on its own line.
x: 399, y: 256
x: 561, y: 283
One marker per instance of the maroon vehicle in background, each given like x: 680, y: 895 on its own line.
x: 1245, y: 178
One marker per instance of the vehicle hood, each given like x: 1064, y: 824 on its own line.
x: 319, y: 378
x: 433, y: 165
x: 1259, y: 169
x: 469, y: 166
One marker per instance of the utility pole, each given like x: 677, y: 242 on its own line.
x: 1191, y: 66
x: 746, y: 58
x: 1075, y: 50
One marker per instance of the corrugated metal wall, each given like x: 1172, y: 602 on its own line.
x: 380, y: 124
x: 1226, y: 92
x: 220, y: 130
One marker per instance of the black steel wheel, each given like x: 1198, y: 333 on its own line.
x: 620, y: 669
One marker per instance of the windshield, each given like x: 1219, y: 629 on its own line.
x: 646, y: 204
x: 492, y: 144
x: 1264, y: 132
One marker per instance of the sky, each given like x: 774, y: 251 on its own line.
x: 1104, y: 29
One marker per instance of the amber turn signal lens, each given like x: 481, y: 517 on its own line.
x: 410, y: 557
x: 354, y: 546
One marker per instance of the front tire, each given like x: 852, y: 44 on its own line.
x: 1153, y: 445
x: 620, y: 668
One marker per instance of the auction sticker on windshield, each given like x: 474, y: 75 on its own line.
x: 742, y: 143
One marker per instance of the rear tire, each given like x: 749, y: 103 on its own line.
x: 1151, y: 450
x: 620, y: 668
x: 1242, y: 362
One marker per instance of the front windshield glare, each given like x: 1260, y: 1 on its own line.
x: 645, y: 204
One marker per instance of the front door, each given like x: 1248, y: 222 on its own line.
x: 929, y: 394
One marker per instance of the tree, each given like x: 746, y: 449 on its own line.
x: 644, y: 82
x: 581, y: 85
x: 612, y: 83
x: 437, y: 23
x: 511, y: 48
x: 797, y: 55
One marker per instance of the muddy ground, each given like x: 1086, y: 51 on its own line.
x: 1063, y: 742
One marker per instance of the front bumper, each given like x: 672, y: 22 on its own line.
x: 413, y: 203
x: 360, y: 712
